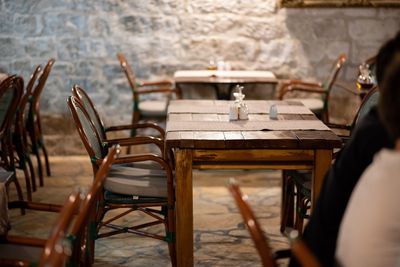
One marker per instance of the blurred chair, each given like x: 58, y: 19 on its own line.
x: 10, y: 94
x: 135, y: 189
x: 34, y: 126
x: 147, y: 109
x: 70, y: 242
x: 317, y: 105
x: 20, y: 136
x: 296, y: 189
x: 268, y: 258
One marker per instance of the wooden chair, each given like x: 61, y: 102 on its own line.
x: 20, y: 137
x: 102, y: 130
x: 34, y: 126
x: 27, y: 251
x: 143, y: 191
x: 10, y: 95
x: 318, y: 105
x: 268, y: 258
x: 147, y: 108
x: 297, y: 184
x: 70, y: 241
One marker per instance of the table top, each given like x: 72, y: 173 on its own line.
x: 216, y: 76
x: 204, y: 124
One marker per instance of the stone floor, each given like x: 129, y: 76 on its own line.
x: 220, y: 236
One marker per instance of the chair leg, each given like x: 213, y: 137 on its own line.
x: 19, y: 192
x: 46, y: 158
x: 27, y: 180
x: 40, y: 170
x: 32, y: 172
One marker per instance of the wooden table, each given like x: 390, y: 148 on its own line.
x: 217, y: 78
x: 199, y: 133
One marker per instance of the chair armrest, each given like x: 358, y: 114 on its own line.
x: 339, y: 126
x: 303, y: 87
x: 153, y: 83
x: 137, y: 140
x: 292, y: 82
x: 156, y: 90
x: 137, y: 126
x: 347, y: 89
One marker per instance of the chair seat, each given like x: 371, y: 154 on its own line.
x: 153, y: 108
x: 5, y: 176
x: 316, y: 105
x: 27, y: 253
x: 136, y: 182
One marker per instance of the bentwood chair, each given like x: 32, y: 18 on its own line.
x: 80, y: 93
x: 153, y: 109
x: 20, y: 136
x: 149, y: 191
x: 34, y: 126
x: 268, y: 258
x: 71, y: 240
x: 10, y: 95
x: 317, y: 105
x: 297, y: 184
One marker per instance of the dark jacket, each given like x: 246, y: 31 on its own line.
x: 321, y: 232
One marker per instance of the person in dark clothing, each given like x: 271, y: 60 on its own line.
x: 369, y: 136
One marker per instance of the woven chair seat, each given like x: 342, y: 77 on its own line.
x: 153, y: 108
x: 136, y: 182
x: 27, y: 253
x: 316, y: 105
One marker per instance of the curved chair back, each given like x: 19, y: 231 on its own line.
x: 370, y: 100
x: 86, y: 130
x: 84, y: 229
x: 337, y: 66
x: 56, y: 251
x: 91, y: 110
x: 10, y: 94
x: 298, y: 248
x: 256, y: 233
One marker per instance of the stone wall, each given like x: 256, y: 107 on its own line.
x: 161, y: 36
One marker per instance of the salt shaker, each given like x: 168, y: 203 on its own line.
x: 273, y: 112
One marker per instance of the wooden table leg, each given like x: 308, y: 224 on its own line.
x: 184, y: 207
x: 322, y: 163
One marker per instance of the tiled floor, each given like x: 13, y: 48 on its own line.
x: 220, y: 236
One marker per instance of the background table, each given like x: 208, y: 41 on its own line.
x: 216, y: 78
x: 218, y: 148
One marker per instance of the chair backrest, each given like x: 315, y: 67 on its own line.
x: 84, y: 229
x: 10, y: 95
x: 253, y: 226
x: 298, y: 248
x: 23, y: 108
x: 87, y: 131
x: 337, y: 66
x: 35, y: 97
x: 56, y: 250
x: 91, y: 110
x: 370, y: 100
x: 130, y: 75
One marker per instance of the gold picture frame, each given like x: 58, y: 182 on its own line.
x: 339, y: 3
